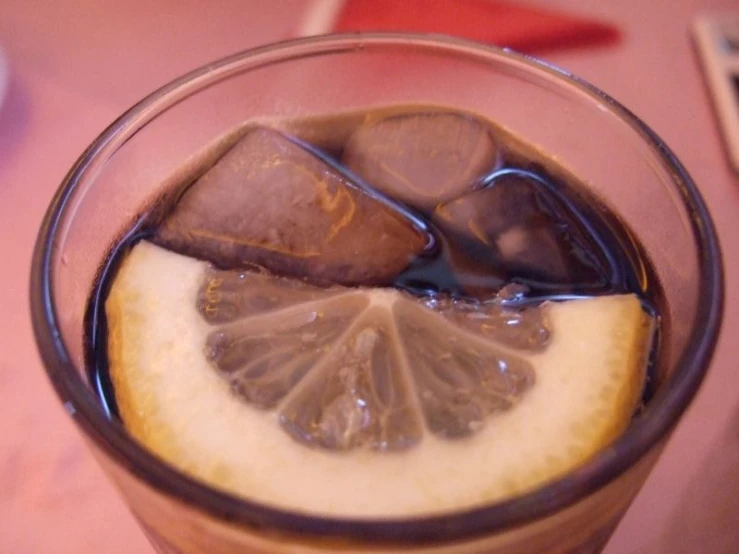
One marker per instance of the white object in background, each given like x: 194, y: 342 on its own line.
x: 717, y: 40
x: 320, y: 17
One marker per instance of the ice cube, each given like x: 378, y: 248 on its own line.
x: 534, y: 247
x: 422, y: 159
x: 271, y: 202
x: 519, y: 225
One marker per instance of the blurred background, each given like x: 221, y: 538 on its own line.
x: 68, y: 68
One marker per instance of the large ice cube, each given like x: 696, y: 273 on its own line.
x: 269, y: 201
x: 422, y: 159
x: 522, y: 228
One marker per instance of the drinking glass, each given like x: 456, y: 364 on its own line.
x: 624, y: 164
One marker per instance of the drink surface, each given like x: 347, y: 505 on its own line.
x: 399, y: 311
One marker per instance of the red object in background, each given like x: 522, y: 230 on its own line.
x: 526, y: 29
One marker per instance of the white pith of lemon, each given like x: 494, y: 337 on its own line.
x: 588, y: 383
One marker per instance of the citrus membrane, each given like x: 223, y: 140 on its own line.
x: 364, y: 402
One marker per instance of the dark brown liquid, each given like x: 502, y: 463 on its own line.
x: 543, y: 237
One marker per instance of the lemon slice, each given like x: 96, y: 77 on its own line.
x: 363, y: 402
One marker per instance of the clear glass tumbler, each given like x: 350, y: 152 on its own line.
x: 623, y: 162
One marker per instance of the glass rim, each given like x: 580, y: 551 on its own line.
x: 110, y: 436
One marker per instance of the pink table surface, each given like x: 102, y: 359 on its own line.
x: 76, y: 64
